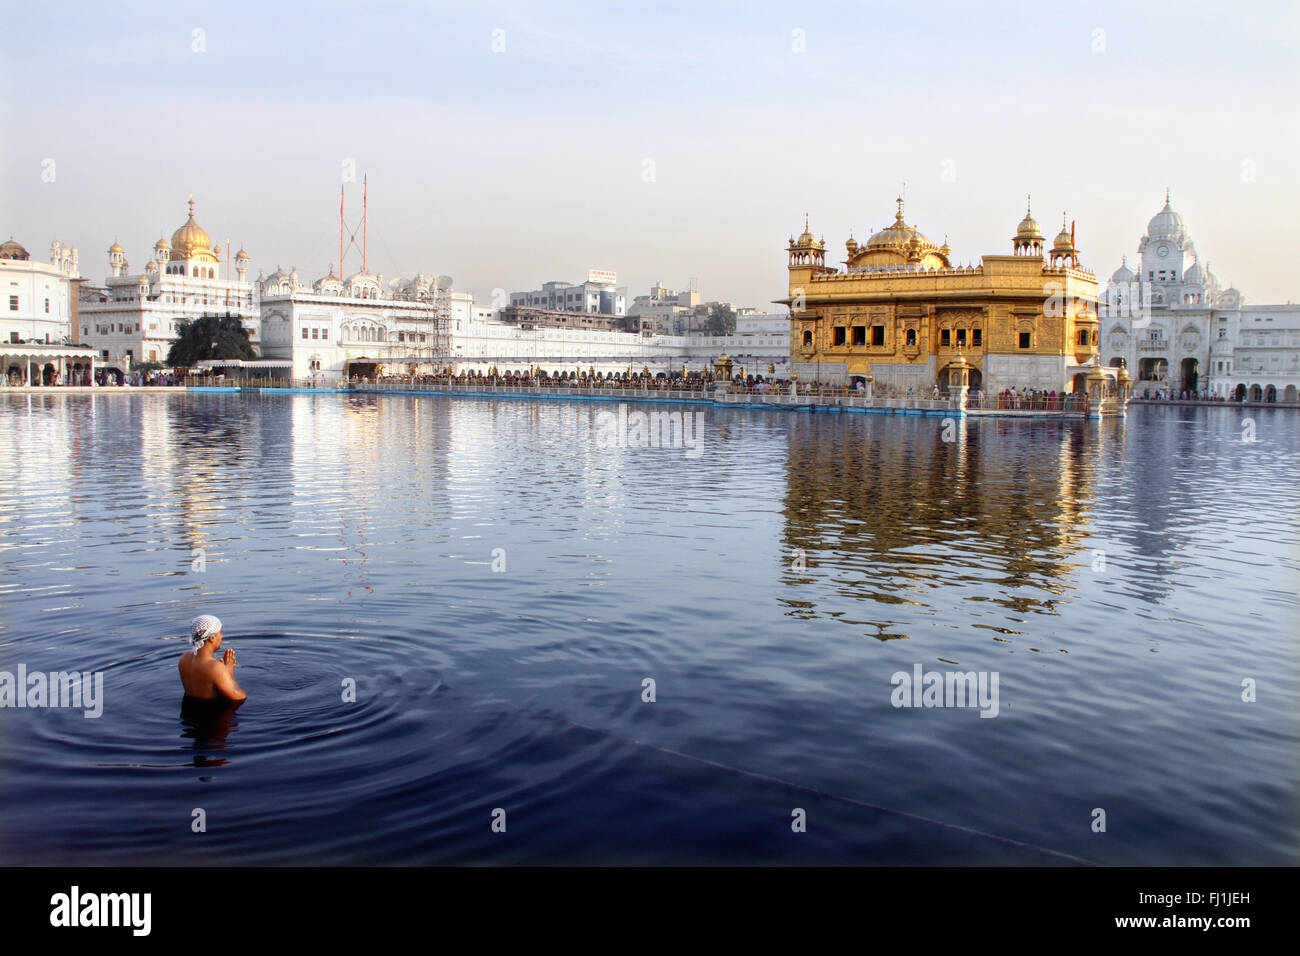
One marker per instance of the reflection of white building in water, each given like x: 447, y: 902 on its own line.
x: 134, y: 318
x: 1178, y: 328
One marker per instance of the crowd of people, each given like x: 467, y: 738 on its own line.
x: 691, y: 382
x: 1034, y: 399
x: 104, y: 378
x: 1186, y: 395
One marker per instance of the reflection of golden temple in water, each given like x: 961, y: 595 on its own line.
x: 898, y: 516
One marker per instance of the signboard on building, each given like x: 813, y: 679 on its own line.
x: 601, y: 276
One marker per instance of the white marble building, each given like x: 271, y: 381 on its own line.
x: 1161, y: 318
x: 38, y: 298
x: 38, y: 309
x: 1179, y: 329
x: 359, y: 327
x: 483, y: 342
x: 365, y: 327
x: 1264, y: 362
x: 133, y: 318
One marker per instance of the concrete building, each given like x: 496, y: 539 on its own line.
x: 598, y: 294
x: 665, y: 311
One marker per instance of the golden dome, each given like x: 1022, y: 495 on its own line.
x: 161, y: 243
x: 900, y: 244
x: 115, y: 247
x: 191, y: 242
x: 897, y: 235
x: 1028, y: 228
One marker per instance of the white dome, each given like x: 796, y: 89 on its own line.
x: 1123, y: 273
x: 1166, y: 224
x: 1195, y: 274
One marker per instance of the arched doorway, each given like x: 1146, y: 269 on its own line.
x: 1270, y: 394
x: 1152, y: 369
x: 14, y: 373
x: 1256, y: 393
x: 363, y: 369
x: 1289, y: 395
x: 1191, y: 373
x: 1079, y: 383
x: 1239, y: 393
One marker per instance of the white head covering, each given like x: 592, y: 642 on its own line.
x: 201, y: 628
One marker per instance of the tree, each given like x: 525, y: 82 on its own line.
x: 722, y: 319
x: 210, y: 337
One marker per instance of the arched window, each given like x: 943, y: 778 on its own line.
x: 807, y: 338
x: 911, y: 337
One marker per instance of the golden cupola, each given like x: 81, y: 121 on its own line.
x: 1063, y: 241
x: 1063, y: 251
x: 1028, y: 240
x: 806, y: 238
x: 191, y: 242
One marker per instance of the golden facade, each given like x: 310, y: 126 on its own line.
x: 900, y: 312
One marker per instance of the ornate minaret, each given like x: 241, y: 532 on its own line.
x: 116, y: 258
x: 1063, y: 252
x: 806, y: 251
x: 1028, y: 240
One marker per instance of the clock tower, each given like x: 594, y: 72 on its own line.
x: 1161, y: 321
x: 1166, y: 250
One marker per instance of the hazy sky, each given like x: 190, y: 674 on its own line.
x: 506, y: 169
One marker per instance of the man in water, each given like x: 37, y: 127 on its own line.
x: 203, y: 676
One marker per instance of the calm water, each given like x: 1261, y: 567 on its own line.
x: 355, y: 537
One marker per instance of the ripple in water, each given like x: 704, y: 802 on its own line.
x: 499, y: 590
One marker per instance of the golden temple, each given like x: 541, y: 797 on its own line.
x: 899, y: 312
